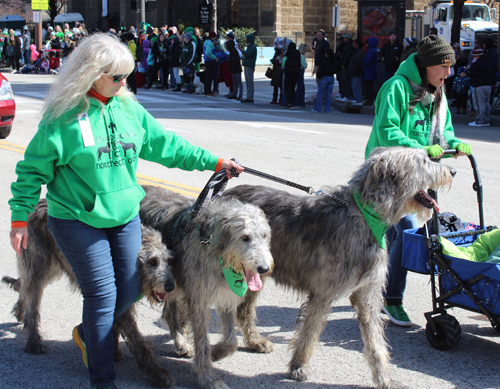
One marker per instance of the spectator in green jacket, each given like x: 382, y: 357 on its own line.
x: 249, y: 59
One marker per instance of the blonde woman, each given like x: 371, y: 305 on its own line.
x: 86, y: 151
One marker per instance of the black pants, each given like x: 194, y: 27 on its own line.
x: 153, y: 76
x: 290, y: 84
x: 369, y: 91
x: 131, y: 82
x: 209, y: 76
x: 461, y: 101
x: 17, y: 57
x: 277, y: 94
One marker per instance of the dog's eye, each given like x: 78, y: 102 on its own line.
x: 246, y: 238
x: 153, y: 262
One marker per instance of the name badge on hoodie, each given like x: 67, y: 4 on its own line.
x: 86, y: 130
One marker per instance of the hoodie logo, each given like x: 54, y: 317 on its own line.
x: 103, y: 150
x: 419, y: 123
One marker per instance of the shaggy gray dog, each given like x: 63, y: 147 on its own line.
x: 43, y: 263
x: 227, y: 233
x: 323, y: 247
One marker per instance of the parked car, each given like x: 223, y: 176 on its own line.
x: 7, y: 107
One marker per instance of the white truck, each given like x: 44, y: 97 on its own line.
x: 477, y: 21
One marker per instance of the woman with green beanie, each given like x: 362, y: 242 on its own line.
x: 413, y: 113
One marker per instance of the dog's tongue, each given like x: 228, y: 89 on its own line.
x: 431, y: 203
x: 253, y: 281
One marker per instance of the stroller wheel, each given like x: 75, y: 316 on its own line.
x: 448, y: 332
x: 497, y: 327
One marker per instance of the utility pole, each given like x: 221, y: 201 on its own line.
x: 141, y: 13
x: 214, y: 15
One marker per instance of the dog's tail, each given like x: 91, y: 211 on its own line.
x: 14, y: 283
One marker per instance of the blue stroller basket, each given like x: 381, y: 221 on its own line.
x: 455, y: 282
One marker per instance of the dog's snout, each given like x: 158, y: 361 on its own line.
x: 169, y: 286
x: 263, y: 269
x: 453, y: 172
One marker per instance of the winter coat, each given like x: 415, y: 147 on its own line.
x: 370, y: 60
x: 328, y: 67
x: 160, y: 51
x: 250, y: 54
x: 346, y: 54
x: 409, y: 50
x: 234, y: 58
x: 355, y: 67
x: 276, y: 77
x: 319, y: 52
x: 461, y: 85
x: 96, y: 184
x: 199, y: 49
x: 390, y: 54
x: 26, y: 41
x: 209, y: 51
x: 146, y: 48
x: 395, y: 126
x: 481, y: 72
x: 175, y: 56
x: 188, y: 54
x: 292, y: 62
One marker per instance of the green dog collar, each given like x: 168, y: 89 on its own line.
x: 235, y: 279
x: 376, y: 225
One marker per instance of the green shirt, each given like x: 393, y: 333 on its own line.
x: 97, y: 184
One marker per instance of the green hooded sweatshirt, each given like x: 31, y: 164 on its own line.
x: 394, y: 126
x: 97, y: 184
x: 250, y: 54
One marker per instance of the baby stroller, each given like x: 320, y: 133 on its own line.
x: 455, y: 282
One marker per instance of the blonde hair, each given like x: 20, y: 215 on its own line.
x: 96, y: 55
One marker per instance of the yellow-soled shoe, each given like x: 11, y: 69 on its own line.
x: 81, y: 345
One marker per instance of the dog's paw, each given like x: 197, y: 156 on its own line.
x: 36, y: 348
x: 264, y: 346
x: 299, y: 372
x: 160, y: 378
x: 219, y: 384
x: 185, y: 351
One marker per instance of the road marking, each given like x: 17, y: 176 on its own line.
x: 266, y: 125
x: 142, y: 179
x: 27, y: 111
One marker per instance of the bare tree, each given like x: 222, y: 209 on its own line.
x: 55, y: 7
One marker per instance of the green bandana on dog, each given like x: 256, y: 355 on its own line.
x: 235, y: 279
x: 371, y: 218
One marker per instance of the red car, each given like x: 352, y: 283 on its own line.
x: 7, y: 107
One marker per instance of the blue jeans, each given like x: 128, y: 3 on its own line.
x: 216, y: 77
x: 356, y: 88
x: 396, y: 278
x: 105, y: 265
x: 173, y: 82
x: 325, y: 86
x: 188, y: 78
x: 300, y: 93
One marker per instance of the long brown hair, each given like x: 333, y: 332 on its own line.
x: 424, y: 89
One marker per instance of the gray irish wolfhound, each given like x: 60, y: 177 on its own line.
x: 227, y: 233
x: 323, y: 247
x: 43, y: 263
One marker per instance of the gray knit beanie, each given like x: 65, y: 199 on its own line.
x: 433, y: 50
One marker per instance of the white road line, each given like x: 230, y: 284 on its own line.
x: 18, y: 111
x: 266, y: 125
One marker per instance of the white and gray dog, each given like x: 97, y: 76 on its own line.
x: 323, y: 247
x: 43, y: 263
x: 227, y: 234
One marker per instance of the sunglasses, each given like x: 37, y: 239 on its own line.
x: 119, y: 77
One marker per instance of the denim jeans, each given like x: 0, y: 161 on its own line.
x: 188, y: 78
x: 325, y: 86
x: 238, y: 85
x: 396, y: 278
x: 249, y: 71
x: 105, y: 265
x: 216, y: 77
x: 356, y: 88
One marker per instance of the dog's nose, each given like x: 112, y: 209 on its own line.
x: 453, y: 172
x: 169, y: 286
x: 263, y: 269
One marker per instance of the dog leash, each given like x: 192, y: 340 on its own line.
x: 307, y: 189
x: 211, y: 192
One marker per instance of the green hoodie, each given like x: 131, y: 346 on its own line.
x: 250, y: 54
x: 393, y: 125
x: 97, y: 184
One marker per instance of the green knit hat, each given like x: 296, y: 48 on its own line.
x: 433, y: 50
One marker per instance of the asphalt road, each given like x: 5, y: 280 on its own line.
x: 310, y: 149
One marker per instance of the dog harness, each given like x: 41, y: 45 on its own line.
x: 377, y: 226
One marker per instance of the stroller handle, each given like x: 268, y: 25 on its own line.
x: 450, y: 152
